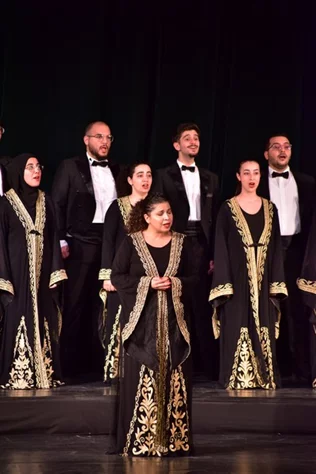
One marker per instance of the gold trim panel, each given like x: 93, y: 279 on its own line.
x: 221, y: 290
x: 57, y: 276
x: 306, y: 285
x: 6, y: 285
x: 105, y: 274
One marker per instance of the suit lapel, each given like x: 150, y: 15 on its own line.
x: 84, y: 171
x: 175, y: 174
x: 264, y: 190
x: 204, y: 187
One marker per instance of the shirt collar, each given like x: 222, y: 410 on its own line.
x: 181, y: 164
x: 91, y: 160
x: 271, y: 170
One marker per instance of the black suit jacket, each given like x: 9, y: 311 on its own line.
x: 73, y: 196
x: 169, y: 182
x: 306, y: 195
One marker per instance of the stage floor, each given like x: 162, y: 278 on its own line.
x: 88, y: 409
x: 216, y: 454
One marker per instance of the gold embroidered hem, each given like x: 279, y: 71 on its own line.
x: 278, y: 288
x: 111, y: 366
x: 221, y: 290
x: 314, y: 383
x: 105, y: 274
x: 245, y: 371
x: 57, y: 276
x: 6, y: 285
x: 142, y: 439
x: 306, y: 285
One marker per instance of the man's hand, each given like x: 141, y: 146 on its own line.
x: 65, y: 251
x: 161, y: 283
x: 107, y: 286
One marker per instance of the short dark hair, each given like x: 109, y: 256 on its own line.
x: 90, y: 125
x: 184, y: 127
x: 281, y: 134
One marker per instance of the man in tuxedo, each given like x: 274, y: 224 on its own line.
x: 193, y: 195
x: 293, y: 193
x: 83, y: 189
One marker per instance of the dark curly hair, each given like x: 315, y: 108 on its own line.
x: 136, y: 221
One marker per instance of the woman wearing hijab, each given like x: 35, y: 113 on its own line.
x: 30, y: 269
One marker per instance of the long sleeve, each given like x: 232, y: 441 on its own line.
x: 222, y: 285
x: 110, y: 234
x: 58, y: 273
x: 277, y: 289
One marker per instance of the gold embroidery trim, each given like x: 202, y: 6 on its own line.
x: 125, y: 208
x: 278, y: 287
x: 35, y: 247
x: 57, y: 276
x: 216, y: 324
x: 245, y: 371
x: 105, y: 274
x: 6, y: 285
x: 221, y: 290
x: 255, y: 265
x: 306, y: 285
x: 21, y: 373
x: 111, y: 365
x: 178, y: 416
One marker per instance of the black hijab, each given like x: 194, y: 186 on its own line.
x: 26, y: 193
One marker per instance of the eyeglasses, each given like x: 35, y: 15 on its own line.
x: 279, y: 147
x: 101, y: 137
x: 32, y: 168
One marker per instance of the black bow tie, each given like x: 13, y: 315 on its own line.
x: 282, y: 175
x: 189, y: 168
x: 103, y: 163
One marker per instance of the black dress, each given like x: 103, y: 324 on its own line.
x: 113, y: 234
x: 155, y: 383
x: 248, y: 283
x: 30, y: 263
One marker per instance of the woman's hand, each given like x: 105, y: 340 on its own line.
x: 107, y: 286
x: 161, y: 283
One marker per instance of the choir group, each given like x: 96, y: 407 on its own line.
x: 136, y: 277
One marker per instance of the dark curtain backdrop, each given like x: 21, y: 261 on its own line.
x: 241, y: 70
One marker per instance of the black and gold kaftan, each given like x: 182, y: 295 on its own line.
x: 30, y: 264
x: 155, y: 384
x: 248, y: 283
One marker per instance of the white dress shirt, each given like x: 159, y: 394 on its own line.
x: 284, y: 194
x: 104, y: 190
x: 193, y: 191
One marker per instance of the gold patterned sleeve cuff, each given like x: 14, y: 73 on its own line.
x: 306, y: 285
x: 105, y: 274
x: 6, y: 285
x: 278, y: 288
x: 221, y: 290
x: 57, y: 276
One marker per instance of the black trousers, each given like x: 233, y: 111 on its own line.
x: 81, y: 350
x: 293, y: 344
x: 205, y: 349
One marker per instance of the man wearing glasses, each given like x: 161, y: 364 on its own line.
x: 83, y: 189
x: 293, y: 193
